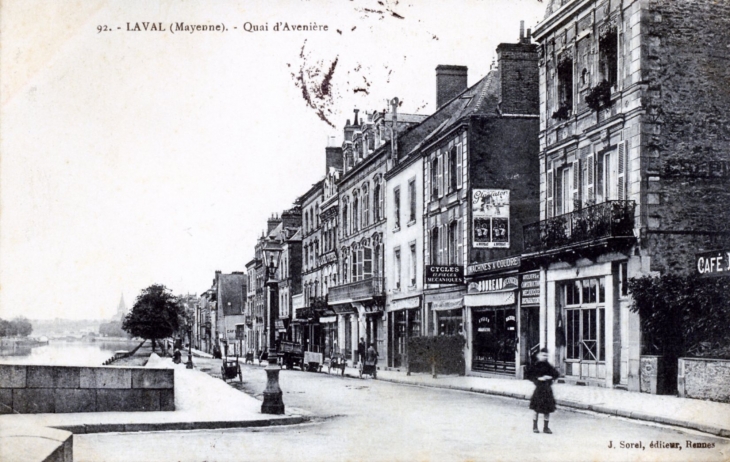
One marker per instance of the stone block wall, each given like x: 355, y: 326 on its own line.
x: 65, y: 389
x: 704, y: 379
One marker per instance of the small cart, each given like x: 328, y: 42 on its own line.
x: 230, y: 369
x: 337, y: 361
x: 369, y: 367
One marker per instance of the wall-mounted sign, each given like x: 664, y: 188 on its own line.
x: 713, y: 264
x: 493, y: 285
x: 451, y: 274
x: 490, y: 218
x: 530, y: 288
x: 496, y: 265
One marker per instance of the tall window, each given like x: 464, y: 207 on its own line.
x: 365, y: 206
x: 412, y: 266
x: 396, y: 207
x: 397, y: 269
x: 452, y: 169
x: 345, y: 265
x: 608, y: 56
x: 355, y: 214
x: 453, y: 236
x: 434, y: 177
x: 344, y: 218
x: 434, y: 245
x: 565, y: 83
x: 412, y: 200
x: 584, y: 301
x: 377, y: 207
x: 355, y: 265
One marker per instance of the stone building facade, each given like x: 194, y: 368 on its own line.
x: 633, y: 162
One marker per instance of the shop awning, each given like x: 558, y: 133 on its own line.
x: 404, y: 303
x: 326, y: 319
x: 490, y: 299
x: 443, y: 305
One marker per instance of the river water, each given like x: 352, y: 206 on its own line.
x: 65, y: 353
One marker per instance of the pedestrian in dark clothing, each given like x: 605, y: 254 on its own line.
x: 361, y: 350
x: 542, y: 373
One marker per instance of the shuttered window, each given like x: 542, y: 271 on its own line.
x: 621, y: 177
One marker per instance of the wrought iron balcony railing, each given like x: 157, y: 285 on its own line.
x: 605, y: 220
x: 354, y: 291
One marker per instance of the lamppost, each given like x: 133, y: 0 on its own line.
x: 273, y: 403
x: 189, y: 326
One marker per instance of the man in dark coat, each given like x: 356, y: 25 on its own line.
x: 542, y: 374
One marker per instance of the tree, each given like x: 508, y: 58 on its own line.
x: 23, y: 327
x: 156, y: 314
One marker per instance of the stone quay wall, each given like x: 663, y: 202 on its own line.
x: 26, y: 389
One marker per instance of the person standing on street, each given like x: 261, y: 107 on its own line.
x: 542, y: 374
x: 361, y: 350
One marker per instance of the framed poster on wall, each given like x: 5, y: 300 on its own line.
x: 490, y: 215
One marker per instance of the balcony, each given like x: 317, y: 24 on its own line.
x: 356, y: 291
x: 595, y: 224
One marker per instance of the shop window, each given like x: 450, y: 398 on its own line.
x: 585, y: 319
x: 450, y: 322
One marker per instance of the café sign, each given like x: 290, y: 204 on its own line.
x: 451, y: 274
x: 713, y: 264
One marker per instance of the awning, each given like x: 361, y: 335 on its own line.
x: 491, y: 299
x: 404, y: 303
x: 326, y: 319
x: 443, y: 305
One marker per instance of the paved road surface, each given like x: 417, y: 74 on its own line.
x: 374, y: 420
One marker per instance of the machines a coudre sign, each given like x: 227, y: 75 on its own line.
x: 713, y: 264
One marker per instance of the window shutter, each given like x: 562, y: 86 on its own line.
x: 459, y: 172
x: 367, y: 262
x: 550, y: 180
x: 576, y: 185
x: 600, y: 195
x: 621, y: 187
x: 426, y: 182
x: 590, y: 179
x: 446, y: 167
x: 559, y: 206
x: 441, y: 244
x: 459, y: 242
x: 440, y: 173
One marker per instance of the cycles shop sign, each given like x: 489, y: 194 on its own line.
x: 713, y: 264
x: 451, y: 274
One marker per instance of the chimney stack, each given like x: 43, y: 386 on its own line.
x: 333, y: 156
x: 450, y: 82
x: 518, y: 74
x: 272, y: 223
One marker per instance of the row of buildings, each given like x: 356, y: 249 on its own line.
x: 595, y: 150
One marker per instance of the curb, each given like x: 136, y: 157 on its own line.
x: 168, y: 426
x: 601, y: 409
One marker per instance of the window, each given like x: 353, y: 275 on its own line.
x: 396, y: 268
x: 608, y: 56
x: 412, y: 266
x: 412, y: 200
x: 354, y: 265
x: 435, y: 178
x: 396, y: 207
x: 452, y: 169
x: 345, y: 265
x: 453, y: 237
x: 584, y: 301
x: 344, y: 218
x: 565, y: 83
x: 434, y: 246
x: 377, y: 205
x: 355, y: 214
x: 367, y: 262
x: 365, y: 206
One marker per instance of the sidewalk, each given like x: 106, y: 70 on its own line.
x: 201, y: 402
x: 705, y: 416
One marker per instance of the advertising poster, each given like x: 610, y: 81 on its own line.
x: 490, y: 214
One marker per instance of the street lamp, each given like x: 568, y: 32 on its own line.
x: 273, y: 403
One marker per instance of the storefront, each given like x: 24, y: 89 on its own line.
x: 493, y: 334
x: 445, y: 312
x: 346, y: 317
x: 529, y: 326
x: 405, y: 321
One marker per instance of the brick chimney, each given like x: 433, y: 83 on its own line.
x: 272, y: 223
x: 450, y: 81
x: 518, y: 73
x: 334, y: 157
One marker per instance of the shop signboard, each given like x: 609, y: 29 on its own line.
x: 493, y: 285
x: 530, y: 288
x: 490, y: 218
x: 450, y: 274
x: 495, y: 265
x: 713, y: 264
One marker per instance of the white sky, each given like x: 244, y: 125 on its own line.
x: 132, y: 158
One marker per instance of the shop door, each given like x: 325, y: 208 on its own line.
x: 400, y: 338
x: 532, y: 333
x: 495, y: 338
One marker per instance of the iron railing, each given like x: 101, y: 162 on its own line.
x: 359, y: 290
x: 605, y: 220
